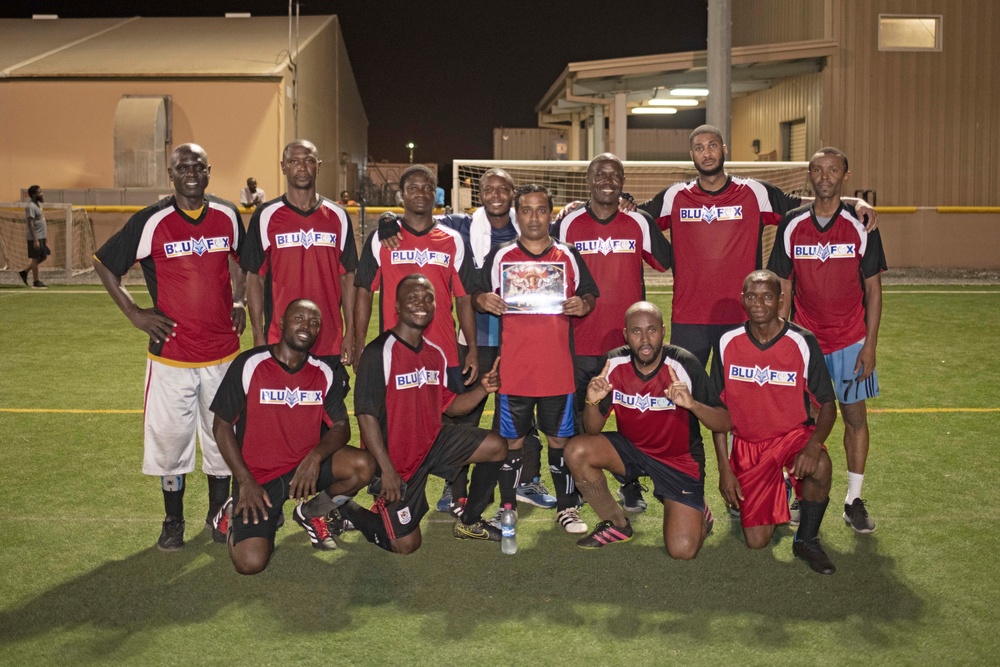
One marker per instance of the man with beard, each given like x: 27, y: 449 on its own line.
x: 833, y: 266
x: 614, y: 244
x: 187, y: 245
x: 659, y: 394
x: 285, y: 443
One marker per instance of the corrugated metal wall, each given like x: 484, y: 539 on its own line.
x: 774, y: 21
x: 920, y: 128
x: 759, y: 116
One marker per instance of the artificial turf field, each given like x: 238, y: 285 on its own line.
x: 81, y: 581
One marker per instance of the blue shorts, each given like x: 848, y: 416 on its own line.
x: 845, y: 381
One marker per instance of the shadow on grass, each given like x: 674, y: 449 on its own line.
x: 449, y: 587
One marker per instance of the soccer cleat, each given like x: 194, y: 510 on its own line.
x: 221, y: 522
x: 569, y: 519
x: 172, y: 535
x: 316, y: 529
x: 709, y: 520
x: 733, y: 511
x: 606, y: 533
x: 795, y: 511
x: 38, y: 284
x: 444, y: 503
x: 535, y: 493
x: 480, y: 530
x: 337, y: 523
x: 814, y: 556
x: 24, y: 277
x: 630, y: 496
x: 856, y: 516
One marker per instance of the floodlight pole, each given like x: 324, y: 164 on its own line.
x: 720, y: 47
x: 410, y: 145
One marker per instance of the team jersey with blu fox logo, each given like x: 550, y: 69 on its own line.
x: 405, y: 389
x: 279, y: 413
x: 440, y: 255
x: 769, y: 388
x: 716, y: 238
x: 302, y: 255
x: 654, y: 424
x: 828, y: 266
x: 186, y: 266
x: 614, y: 251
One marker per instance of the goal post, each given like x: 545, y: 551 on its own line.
x: 69, y: 235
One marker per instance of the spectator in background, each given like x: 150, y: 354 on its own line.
x: 251, y: 196
x: 36, y: 234
x: 345, y: 199
x: 438, y: 197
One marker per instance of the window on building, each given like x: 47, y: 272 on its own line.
x: 909, y: 33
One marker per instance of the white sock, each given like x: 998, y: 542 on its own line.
x: 854, y: 482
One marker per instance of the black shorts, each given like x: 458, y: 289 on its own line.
x: 698, y: 339
x: 41, y: 253
x: 452, y: 449
x: 277, y: 491
x: 668, y: 483
x: 555, y: 415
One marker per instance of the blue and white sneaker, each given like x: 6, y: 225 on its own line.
x: 535, y: 493
x: 444, y: 504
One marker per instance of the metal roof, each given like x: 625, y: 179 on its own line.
x: 215, y: 47
x: 583, y: 84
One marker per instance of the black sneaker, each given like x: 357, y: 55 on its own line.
x: 480, y: 530
x: 337, y: 523
x: 856, y: 516
x: 630, y: 496
x: 24, y: 277
x: 606, y: 533
x: 316, y: 529
x: 38, y: 284
x: 172, y: 535
x: 814, y: 556
x: 221, y: 521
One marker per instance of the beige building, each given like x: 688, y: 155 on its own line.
x: 92, y: 107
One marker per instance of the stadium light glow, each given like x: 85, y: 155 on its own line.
x: 654, y: 110
x: 689, y: 92
x: 678, y: 102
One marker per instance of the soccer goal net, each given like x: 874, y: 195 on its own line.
x: 567, y: 181
x: 70, y: 237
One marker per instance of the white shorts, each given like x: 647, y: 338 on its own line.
x: 176, y: 406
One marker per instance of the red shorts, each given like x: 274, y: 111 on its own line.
x: 757, y: 466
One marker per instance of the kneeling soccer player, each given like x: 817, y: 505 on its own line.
x: 659, y: 394
x: 401, y: 396
x: 769, y: 372
x: 272, y: 438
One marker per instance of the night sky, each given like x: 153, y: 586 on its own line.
x: 443, y: 74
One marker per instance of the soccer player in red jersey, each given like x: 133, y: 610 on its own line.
x: 769, y: 373
x: 403, y: 390
x: 187, y: 245
x: 301, y: 246
x: 536, y: 285
x: 283, y: 442
x: 659, y: 394
x: 833, y: 267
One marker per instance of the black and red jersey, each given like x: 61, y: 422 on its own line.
x: 279, y: 413
x: 769, y: 388
x: 302, y: 255
x: 652, y: 422
x: 405, y: 389
x: 185, y: 263
x: 827, y: 267
x: 536, y: 350
x: 613, y: 251
x: 716, y: 239
x: 439, y: 254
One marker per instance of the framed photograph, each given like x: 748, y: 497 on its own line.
x: 533, y: 287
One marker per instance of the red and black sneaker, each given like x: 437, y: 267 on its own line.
x: 709, y: 520
x: 316, y: 529
x: 222, y: 521
x: 606, y: 533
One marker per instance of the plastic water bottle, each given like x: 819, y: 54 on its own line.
x: 508, y: 528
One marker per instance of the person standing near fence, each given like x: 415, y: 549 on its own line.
x: 36, y: 233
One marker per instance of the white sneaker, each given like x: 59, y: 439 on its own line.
x: 569, y: 519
